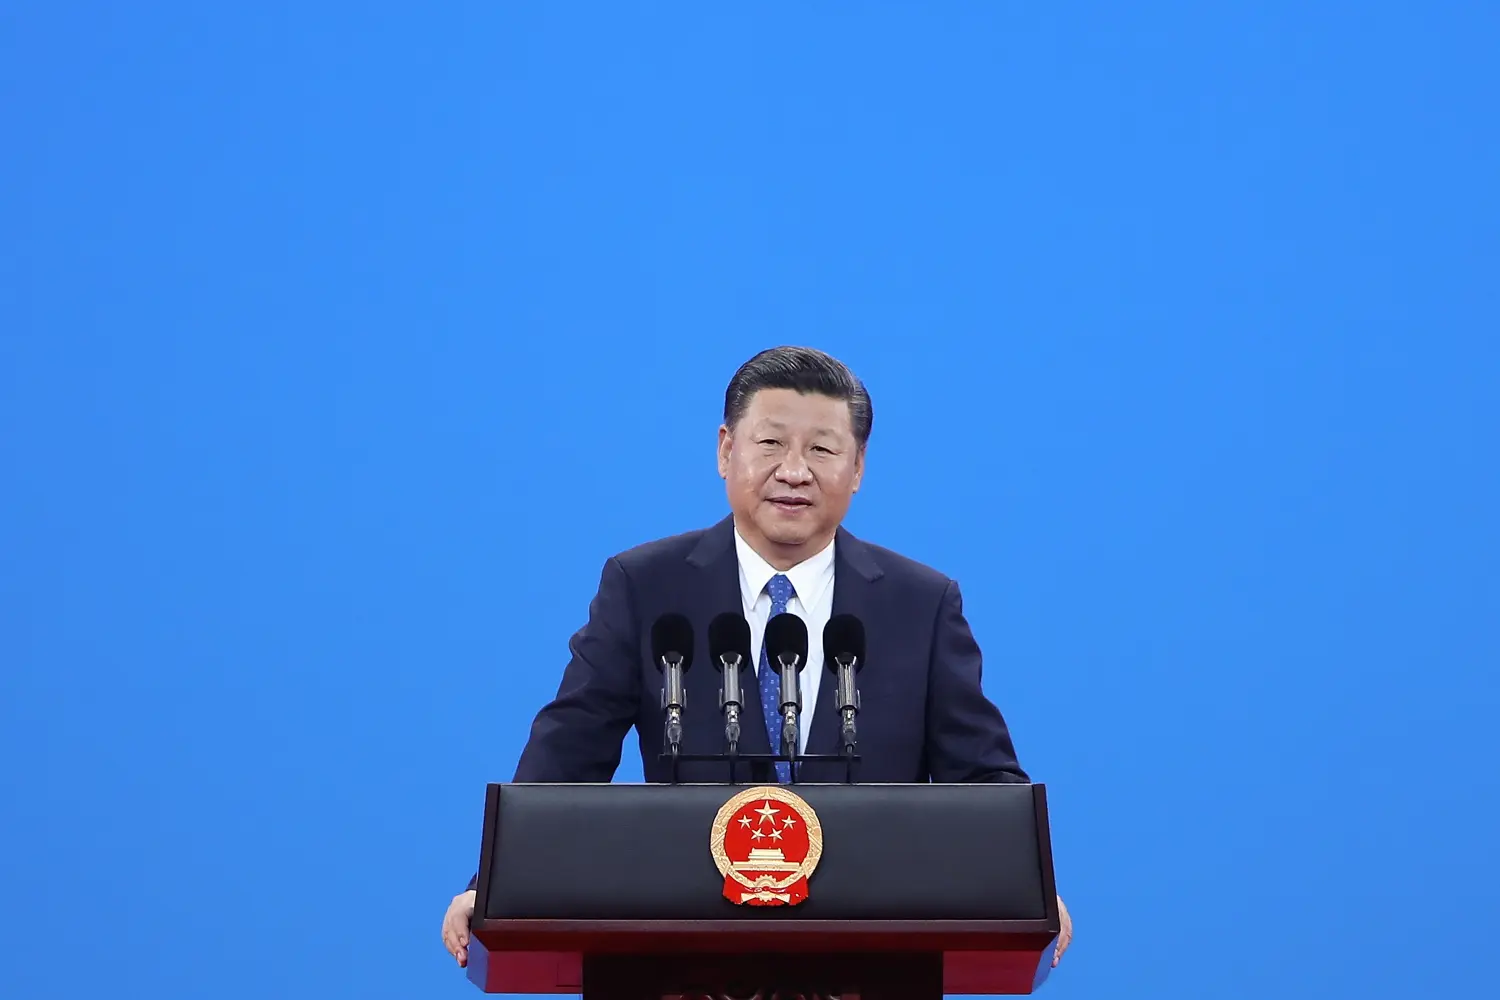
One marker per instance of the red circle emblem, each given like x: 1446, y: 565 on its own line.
x: 766, y: 842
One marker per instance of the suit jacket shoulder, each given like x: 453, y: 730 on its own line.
x: 904, y: 569
x: 674, y: 548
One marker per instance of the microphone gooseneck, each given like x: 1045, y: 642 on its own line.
x: 729, y: 651
x: 786, y: 647
x: 848, y: 698
x: 672, y: 648
x: 785, y: 651
x: 791, y: 703
x: 673, y: 698
x: 844, y: 654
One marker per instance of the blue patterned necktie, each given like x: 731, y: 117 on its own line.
x: 770, y: 679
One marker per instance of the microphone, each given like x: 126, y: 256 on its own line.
x: 729, y: 651
x: 844, y: 655
x: 786, y: 649
x: 672, y: 648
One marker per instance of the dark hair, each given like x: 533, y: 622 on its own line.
x: 805, y: 370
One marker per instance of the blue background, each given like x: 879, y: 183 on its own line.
x: 341, y: 344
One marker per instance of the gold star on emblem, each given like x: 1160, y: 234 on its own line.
x: 766, y: 811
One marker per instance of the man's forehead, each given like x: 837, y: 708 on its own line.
x: 781, y: 403
x: 819, y: 424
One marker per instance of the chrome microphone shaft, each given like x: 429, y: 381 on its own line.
x: 848, y: 698
x: 730, y: 699
x: 673, y: 698
x: 791, y: 703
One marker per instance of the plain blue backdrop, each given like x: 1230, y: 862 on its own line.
x: 340, y: 344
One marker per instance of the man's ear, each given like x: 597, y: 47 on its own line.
x: 859, y: 468
x: 724, y: 442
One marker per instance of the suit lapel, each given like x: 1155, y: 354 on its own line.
x: 855, y: 573
x: 720, y: 591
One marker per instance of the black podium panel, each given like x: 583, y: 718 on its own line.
x: 642, y: 852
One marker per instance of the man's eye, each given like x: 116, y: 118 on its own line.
x: 769, y: 441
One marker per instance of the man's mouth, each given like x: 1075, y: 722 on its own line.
x: 791, y: 501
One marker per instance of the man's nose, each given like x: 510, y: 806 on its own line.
x: 793, y: 470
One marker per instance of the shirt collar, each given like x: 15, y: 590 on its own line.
x: 808, y: 577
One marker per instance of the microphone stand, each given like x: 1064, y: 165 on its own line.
x: 848, y: 702
x: 791, y: 709
x: 673, y: 698
x: 729, y: 702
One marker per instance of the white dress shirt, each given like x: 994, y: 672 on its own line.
x: 812, y: 601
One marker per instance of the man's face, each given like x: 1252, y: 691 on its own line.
x: 790, y: 467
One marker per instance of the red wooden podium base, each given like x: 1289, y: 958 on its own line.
x: 967, y: 956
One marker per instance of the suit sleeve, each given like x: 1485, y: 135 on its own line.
x: 967, y: 737
x: 578, y: 735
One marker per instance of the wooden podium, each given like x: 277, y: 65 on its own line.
x: 612, y: 891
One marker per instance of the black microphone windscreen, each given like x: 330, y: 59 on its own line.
x: 729, y: 633
x: 844, y: 635
x: 786, y: 633
x: 672, y: 633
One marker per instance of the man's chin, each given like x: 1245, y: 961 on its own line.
x: 789, y: 535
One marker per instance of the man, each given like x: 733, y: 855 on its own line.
x: 792, y: 455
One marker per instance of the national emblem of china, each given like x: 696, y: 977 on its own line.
x: 766, y: 841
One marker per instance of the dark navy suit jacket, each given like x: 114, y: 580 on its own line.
x: 922, y: 714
